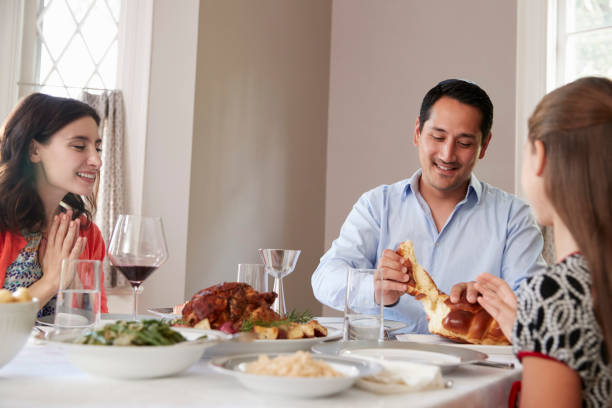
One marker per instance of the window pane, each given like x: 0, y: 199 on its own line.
x: 589, y: 54
x: 78, y: 43
x: 588, y: 14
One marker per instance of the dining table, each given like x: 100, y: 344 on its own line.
x: 42, y: 376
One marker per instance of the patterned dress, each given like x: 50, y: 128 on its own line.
x: 26, y: 270
x: 555, y: 317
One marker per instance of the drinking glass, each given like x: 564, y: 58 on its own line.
x: 363, y: 319
x: 78, y: 299
x: 254, y: 275
x: 279, y: 263
x: 137, y: 248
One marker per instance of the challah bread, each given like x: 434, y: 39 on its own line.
x: 463, y: 322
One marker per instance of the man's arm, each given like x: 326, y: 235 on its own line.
x: 524, y: 242
x: 355, y: 247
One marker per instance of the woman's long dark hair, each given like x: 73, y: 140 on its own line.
x: 36, y: 117
x: 575, y: 124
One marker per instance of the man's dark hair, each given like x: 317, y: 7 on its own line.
x: 464, y: 92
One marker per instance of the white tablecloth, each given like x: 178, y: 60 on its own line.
x: 41, y: 376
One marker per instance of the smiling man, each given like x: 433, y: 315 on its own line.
x: 460, y: 226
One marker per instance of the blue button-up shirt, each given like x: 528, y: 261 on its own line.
x: 488, y: 231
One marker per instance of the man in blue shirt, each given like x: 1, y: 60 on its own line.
x: 460, y: 226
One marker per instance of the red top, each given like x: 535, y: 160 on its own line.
x: 11, y: 244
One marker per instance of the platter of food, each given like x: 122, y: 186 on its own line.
x: 298, y: 374
x: 135, y: 350
x: 234, y: 307
x: 447, y: 358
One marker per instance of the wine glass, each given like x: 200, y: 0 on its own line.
x: 279, y: 263
x: 137, y: 248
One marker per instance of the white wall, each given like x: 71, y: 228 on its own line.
x: 385, y: 55
x: 167, y: 159
x: 258, y: 161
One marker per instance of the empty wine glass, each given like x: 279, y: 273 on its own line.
x: 279, y: 263
x: 137, y: 248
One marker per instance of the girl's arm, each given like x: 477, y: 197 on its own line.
x: 549, y: 383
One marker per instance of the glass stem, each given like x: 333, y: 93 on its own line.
x: 135, y: 309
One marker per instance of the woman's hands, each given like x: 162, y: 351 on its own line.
x: 497, y: 298
x: 395, y: 273
x: 62, y: 241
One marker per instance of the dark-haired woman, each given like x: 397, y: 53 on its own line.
x: 49, y: 173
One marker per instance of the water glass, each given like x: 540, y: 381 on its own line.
x: 253, y: 274
x: 79, y: 296
x: 363, y: 318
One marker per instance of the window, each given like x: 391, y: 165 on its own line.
x: 76, y: 46
x: 581, y: 45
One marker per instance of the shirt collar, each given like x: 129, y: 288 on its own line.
x: 412, y: 186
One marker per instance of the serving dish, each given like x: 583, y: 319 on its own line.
x: 301, y: 387
x: 447, y: 358
x: 137, y: 362
x: 270, y: 346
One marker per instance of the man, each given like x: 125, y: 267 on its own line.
x: 459, y: 225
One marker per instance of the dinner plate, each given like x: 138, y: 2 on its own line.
x: 270, y: 346
x: 165, y: 312
x: 338, y: 322
x: 136, y: 362
x: 435, y: 339
x: 447, y: 358
x: 303, y: 387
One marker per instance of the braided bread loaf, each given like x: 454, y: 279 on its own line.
x: 463, y: 322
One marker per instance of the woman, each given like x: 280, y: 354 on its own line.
x: 49, y: 173
x: 559, y: 321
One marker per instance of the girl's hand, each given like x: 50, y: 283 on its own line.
x: 497, y: 298
x: 63, y: 241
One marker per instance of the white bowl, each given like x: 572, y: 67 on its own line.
x: 16, y: 322
x: 137, y: 362
x: 300, y: 387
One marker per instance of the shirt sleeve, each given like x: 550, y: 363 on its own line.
x: 356, y: 247
x: 522, y: 254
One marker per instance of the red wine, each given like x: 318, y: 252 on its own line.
x: 136, y: 274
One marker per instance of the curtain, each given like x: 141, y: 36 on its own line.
x: 109, y: 106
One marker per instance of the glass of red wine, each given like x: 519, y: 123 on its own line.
x: 137, y: 248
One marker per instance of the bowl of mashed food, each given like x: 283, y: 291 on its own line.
x: 298, y: 374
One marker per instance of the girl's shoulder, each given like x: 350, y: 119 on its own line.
x: 569, y: 279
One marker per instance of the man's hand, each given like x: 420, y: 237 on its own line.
x: 499, y: 300
x: 394, y: 270
x: 469, y: 288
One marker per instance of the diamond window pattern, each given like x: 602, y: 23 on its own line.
x: 77, y: 45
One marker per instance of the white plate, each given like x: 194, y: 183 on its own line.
x: 446, y: 357
x: 137, y: 362
x: 434, y: 339
x: 338, y: 322
x: 295, y: 386
x: 165, y: 312
x: 270, y: 346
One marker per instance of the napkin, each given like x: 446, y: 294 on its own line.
x: 402, y: 376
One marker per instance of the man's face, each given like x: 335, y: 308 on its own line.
x: 449, y: 145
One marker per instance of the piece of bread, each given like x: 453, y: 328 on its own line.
x: 463, y: 322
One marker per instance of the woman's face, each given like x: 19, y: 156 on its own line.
x: 70, y: 161
x: 532, y: 179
